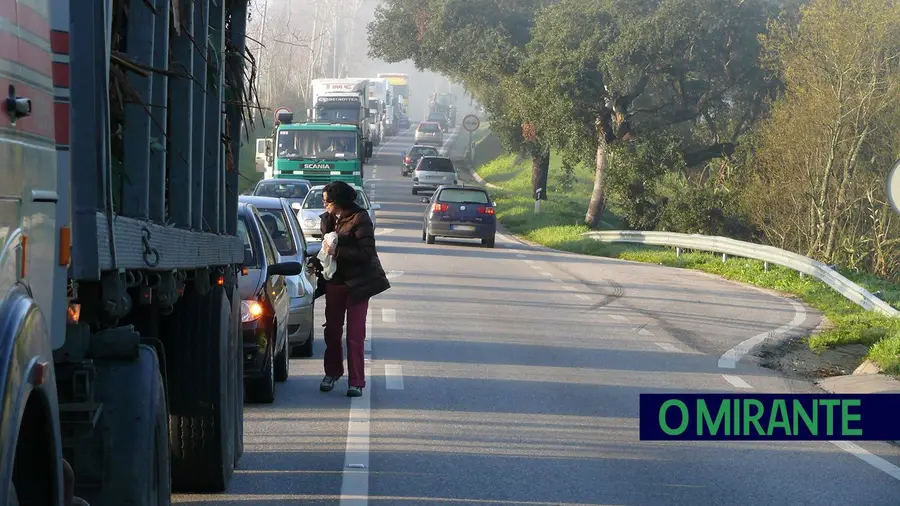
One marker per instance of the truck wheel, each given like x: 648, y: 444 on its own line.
x: 200, y: 348
x: 134, y: 426
x: 262, y: 389
x: 283, y: 363
x: 237, y: 375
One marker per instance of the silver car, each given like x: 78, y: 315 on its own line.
x: 292, y: 190
x: 313, y: 206
x: 429, y: 132
x: 432, y: 172
x: 284, y: 229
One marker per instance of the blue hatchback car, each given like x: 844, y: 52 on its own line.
x: 460, y: 212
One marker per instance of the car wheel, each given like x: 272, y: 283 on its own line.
x: 283, y: 363
x: 305, y: 349
x: 415, y: 192
x: 488, y: 242
x: 429, y: 239
x: 262, y: 389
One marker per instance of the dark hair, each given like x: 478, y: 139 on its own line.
x: 342, y: 194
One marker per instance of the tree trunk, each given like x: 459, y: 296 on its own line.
x: 540, y: 168
x: 598, y: 201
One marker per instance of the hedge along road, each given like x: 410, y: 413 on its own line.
x: 511, y: 376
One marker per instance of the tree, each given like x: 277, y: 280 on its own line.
x: 479, y: 43
x: 632, y: 67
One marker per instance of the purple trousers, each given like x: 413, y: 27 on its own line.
x: 337, y: 304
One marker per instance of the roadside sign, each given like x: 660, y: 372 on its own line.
x: 471, y: 122
x: 279, y: 111
x: 893, y: 187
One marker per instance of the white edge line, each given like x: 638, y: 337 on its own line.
x: 393, y: 376
x: 618, y: 317
x: 731, y: 357
x: 867, y: 457
x: 582, y: 296
x: 355, y: 476
x: 736, y: 381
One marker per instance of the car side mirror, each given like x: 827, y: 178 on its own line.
x: 376, y: 207
x: 285, y: 269
x: 424, y: 200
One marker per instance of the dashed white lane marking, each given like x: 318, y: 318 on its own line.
x: 388, y: 315
x: 529, y: 262
x: 736, y: 381
x: 669, y: 347
x: 520, y: 255
x: 545, y: 273
x: 394, y: 274
x: 556, y: 280
x: 535, y: 267
x: 645, y: 332
x: 731, y: 357
x: 569, y: 288
x: 582, y: 296
x: 865, y: 456
x: 383, y: 231
x: 393, y: 376
x: 618, y: 317
x: 355, y: 478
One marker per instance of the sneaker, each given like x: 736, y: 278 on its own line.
x: 327, y: 383
x: 354, y: 392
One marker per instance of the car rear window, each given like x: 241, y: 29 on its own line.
x: 314, y: 200
x: 251, y: 260
x: 436, y: 165
x: 429, y: 127
x: 460, y: 196
x: 282, y: 190
x: 424, y: 151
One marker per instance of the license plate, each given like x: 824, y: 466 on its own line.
x: 466, y: 228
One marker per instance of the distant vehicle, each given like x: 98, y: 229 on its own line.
x: 429, y: 132
x: 411, y: 158
x: 292, y: 190
x: 313, y: 206
x: 284, y: 229
x: 264, y: 307
x: 460, y: 212
x: 441, y: 119
x: 432, y: 172
x: 403, y: 122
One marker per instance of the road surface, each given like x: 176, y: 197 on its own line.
x: 511, y: 376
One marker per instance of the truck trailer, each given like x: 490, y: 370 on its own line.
x: 120, y: 319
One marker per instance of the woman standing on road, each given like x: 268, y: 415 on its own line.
x: 359, y: 276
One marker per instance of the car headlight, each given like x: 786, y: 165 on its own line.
x: 310, y: 223
x: 295, y: 286
x: 251, y: 310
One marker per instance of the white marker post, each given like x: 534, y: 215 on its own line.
x: 893, y: 187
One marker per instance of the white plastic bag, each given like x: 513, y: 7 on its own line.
x: 329, y: 265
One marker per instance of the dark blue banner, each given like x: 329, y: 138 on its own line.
x: 776, y: 417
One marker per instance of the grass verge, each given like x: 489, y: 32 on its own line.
x: 559, y: 225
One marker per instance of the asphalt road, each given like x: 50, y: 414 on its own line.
x: 511, y: 376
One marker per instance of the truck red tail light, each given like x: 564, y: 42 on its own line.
x: 440, y: 208
x: 486, y: 210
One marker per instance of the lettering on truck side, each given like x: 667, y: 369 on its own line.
x: 318, y: 166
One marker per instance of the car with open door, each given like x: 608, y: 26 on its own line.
x: 461, y: 212
x: 265, y: 306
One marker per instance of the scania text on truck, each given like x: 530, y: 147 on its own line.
x: 120, y: 336
x: 342, y: 101
x: 318, y: 152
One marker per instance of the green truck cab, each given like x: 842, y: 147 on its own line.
x: 318, y: 152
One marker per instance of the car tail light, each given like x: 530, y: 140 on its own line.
x: 440, y: 208
x: 486, y: 210
x: 408, y: 160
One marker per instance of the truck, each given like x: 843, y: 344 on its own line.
x: 379, y: 105
x: 120, y: 319
x: 342, y: 101
x: 401, y: 89
x: 444, y: 103
x: 319, y: 152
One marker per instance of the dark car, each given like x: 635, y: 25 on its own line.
x: 460, y: 212
x: 265, y: 305
x: 411, y: 158
x: 441, y: 119
x: 292, y: 190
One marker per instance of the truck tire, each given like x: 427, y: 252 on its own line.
x: 200, y: 342
x: 135, y: 431
x: 237, y: 376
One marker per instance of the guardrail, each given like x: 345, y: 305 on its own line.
x: 768, y: 254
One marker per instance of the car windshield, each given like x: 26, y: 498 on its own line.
x: 282, y: 190
x: 429, y: 127
x: 279, y: 230
x: 314, y: 200
x: 250, y: 259
x: 423, y: 151
x: 316, y: 144
x: 458, y: 196
x: 436, y: 165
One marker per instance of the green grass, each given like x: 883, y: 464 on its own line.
x: 559, y: 225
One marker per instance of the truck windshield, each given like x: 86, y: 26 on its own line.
x: 316, y: 145
x: 340, y: 112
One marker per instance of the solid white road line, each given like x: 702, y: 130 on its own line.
x: 393, y: 376
x: 618, y: 317
x: 731, y: 357
x: 736, y: 381
x: 645, y: 332
x: 669, y: 347
x: 865, y: 456
x: 388, y: 315
x: 355, y: 478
